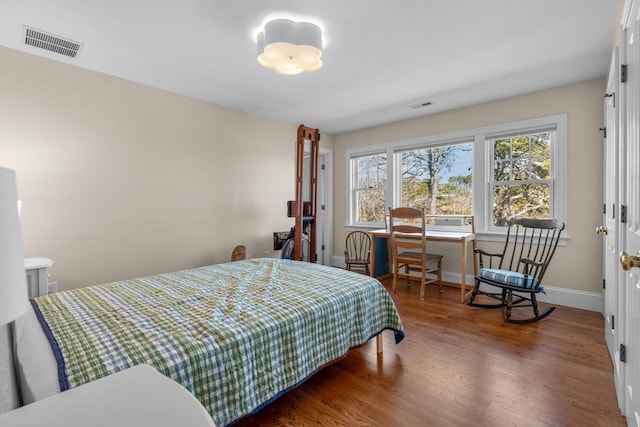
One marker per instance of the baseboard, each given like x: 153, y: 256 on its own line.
x: 590, y: 301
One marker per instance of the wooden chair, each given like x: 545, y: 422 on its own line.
x: 408, y: 243
x: 358, y: 249
x: 239, y: 253
x: 519, y: 268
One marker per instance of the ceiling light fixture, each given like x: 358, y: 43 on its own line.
x: 290, y: 47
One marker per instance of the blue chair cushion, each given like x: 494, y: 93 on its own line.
x: 507, y: 277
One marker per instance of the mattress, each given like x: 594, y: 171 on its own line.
x: 237, y: 335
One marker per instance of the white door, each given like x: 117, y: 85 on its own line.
x: 324, y: 213
x: 324, y: 223
x: 321, y: 211
x: 610, y: 198
x: 630, y: 236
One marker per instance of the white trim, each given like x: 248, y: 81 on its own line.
x: 558, y: 182
x: 328, y: 193
x: 591, y: 301
x: 481, y: 161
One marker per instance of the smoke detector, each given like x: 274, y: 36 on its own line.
x: 51, y: 42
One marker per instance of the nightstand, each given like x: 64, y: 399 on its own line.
x: 37, y: 270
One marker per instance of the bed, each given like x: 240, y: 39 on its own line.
x: 236, y: 335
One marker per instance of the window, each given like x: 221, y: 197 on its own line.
x: 368, y: 189
x: 521, y: 184
x: 438, y: 179
x: 494, y: 173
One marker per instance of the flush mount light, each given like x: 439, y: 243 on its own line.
x: 290, y: 47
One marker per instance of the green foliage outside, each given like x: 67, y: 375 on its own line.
x: 521, y: 178
x: 371, y: 181
x: 521, y: 182
x: 422, y: 187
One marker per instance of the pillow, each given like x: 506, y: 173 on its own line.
x: 509, y: 278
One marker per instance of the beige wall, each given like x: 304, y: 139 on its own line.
x: 119, y: 180
x: 578, y: 265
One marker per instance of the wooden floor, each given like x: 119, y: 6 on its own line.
x: 462, y: 366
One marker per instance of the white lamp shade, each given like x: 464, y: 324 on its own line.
x: 14, y: 300
x: 290, y: 47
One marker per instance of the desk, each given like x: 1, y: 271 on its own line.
x: 462, y: 238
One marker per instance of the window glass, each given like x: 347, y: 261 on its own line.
x: 438, y: 179
x: 369, y: 190
x: 521, y: 185
x: 493, y: 173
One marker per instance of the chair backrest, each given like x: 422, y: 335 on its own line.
x: 405, y: 221
x: 238, y: 253
x: 535, y: 240
x: 357, y: 246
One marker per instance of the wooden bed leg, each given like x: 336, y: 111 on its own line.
x: 379, y: 343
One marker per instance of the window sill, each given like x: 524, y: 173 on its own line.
x: 480, y: 236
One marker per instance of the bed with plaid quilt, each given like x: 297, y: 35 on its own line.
x: 237, y: 335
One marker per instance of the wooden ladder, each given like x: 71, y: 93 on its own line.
x: 301, y: 212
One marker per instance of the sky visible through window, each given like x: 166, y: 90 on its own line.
x: 461, y: 166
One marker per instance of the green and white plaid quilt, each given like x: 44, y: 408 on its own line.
x: 236, y: 335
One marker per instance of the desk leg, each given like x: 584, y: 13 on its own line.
x: 372, y: 258
x: 464, y: 295
x: 463, y: 272
x: 379, y: 343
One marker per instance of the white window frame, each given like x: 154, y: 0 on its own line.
x: 558, y: 154
x: 482, y: 160
x: 352, y: 200
x: 423, y: 144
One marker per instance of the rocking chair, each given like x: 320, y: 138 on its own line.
x: 519, y: 268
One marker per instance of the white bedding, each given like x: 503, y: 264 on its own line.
x: 35, y: 363
x: 236, y: 335
x: 139, y: 396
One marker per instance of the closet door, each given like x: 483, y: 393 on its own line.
x: 609, y: 230
x: 630, y: 186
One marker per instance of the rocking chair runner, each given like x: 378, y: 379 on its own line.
x: 519, y: 269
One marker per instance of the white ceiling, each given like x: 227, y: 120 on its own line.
x: 380, y: 56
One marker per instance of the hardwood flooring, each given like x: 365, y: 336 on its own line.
x: 462, y: 366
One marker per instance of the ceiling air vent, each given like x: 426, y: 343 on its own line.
x: 51, y: 42
x: 420, y: 105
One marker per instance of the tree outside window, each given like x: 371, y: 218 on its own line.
x: 370, y: 179
x: 438, y: 179
x: 521, y: 185
x: 519, y: 170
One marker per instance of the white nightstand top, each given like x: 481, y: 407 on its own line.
x: 38, y: 262
x: 138, y: 397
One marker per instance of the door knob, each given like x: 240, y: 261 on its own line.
x: 602, y: 229
x: 629, y: 261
